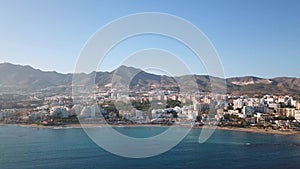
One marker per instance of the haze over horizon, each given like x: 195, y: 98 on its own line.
x: 252, y: 38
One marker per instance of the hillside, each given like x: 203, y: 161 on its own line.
x: 25, y: 79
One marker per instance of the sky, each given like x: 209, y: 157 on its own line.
x: 257, y: 37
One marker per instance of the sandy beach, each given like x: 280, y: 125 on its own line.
x: 261, y: 131
x: 249, y: 129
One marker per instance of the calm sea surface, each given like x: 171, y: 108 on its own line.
x: 25, y: 147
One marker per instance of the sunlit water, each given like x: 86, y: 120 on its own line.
x: 25, y: 147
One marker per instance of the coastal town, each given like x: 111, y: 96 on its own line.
x: 159, y: 107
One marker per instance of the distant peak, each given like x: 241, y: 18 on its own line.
x: 128, y: 67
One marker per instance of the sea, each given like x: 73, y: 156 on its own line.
x: 71, y: 148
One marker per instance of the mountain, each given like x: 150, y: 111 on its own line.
x: 248, y: 80
x: 25, y: 79
x: 250, y: 85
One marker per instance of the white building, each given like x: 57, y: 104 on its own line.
x: 297, y: 115
x: 273, y: 105
x: 238, y: 103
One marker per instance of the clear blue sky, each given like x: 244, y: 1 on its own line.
x: 252, y: 37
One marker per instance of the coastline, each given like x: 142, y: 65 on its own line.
x: 247, y: 130
x: 260, y: 131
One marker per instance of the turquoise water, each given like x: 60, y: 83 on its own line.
x: 25, y: 147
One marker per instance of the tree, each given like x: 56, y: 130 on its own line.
x: 173, y: 103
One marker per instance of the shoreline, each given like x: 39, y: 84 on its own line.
x: 260, y: 131
x: 246, y: 130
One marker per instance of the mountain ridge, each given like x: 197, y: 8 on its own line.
x: 18, y: 78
